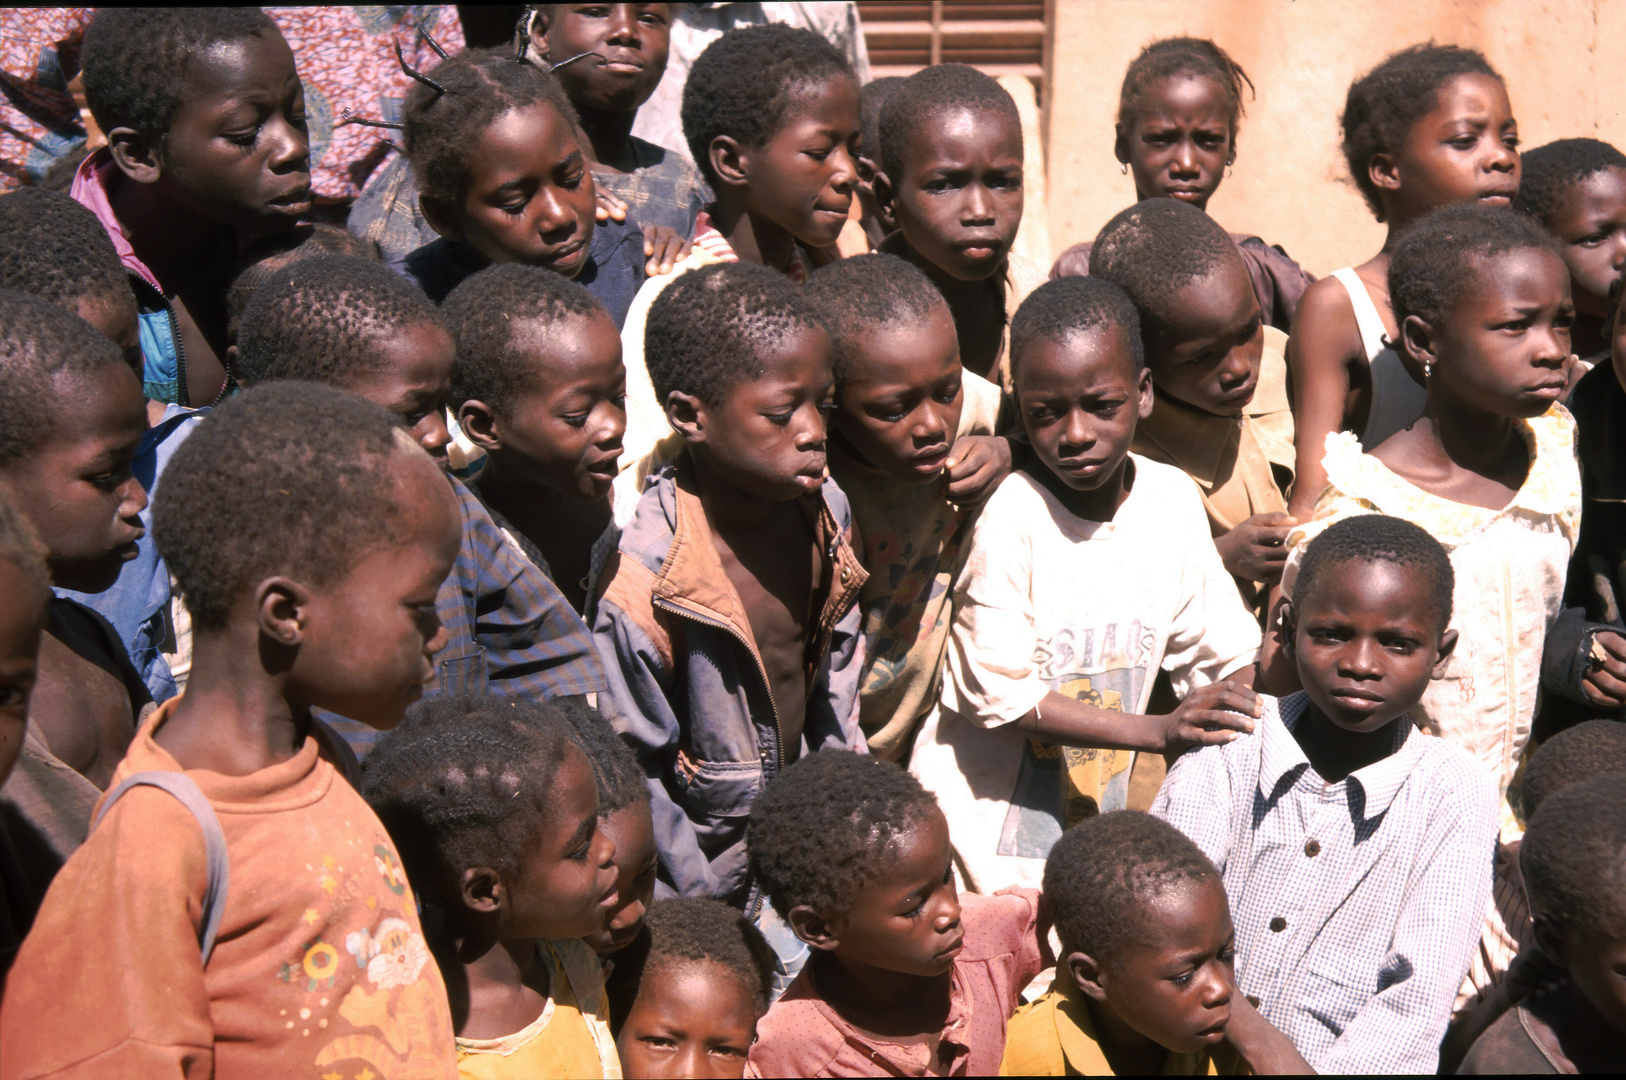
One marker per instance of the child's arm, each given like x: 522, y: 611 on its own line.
x: 975, y: 466
x: 1209, y: 716
x: 1267, y: 1051
x: 1324, y: 344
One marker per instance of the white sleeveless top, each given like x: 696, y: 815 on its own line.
x: 1397, y: 400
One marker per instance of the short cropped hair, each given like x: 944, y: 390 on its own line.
x: 1183, y: 56
x: 320, y: 319
x: 137, y: 61
x: 1574, y: 856
x: 932, y: 92
x: 1104, y: 871
x: 1548, y: 172
x: 827, y: 827
x: 496, y: 316
x: 707, y: 331
x: 289, y: 478
x: 261, y: 260
x: 1384, y: 104
x: 41, y: 343
x: 55, y: 248
x: 1437, y: 260
x: 1593, y: 748
x: 1374, y: 538
x: 1154, y: 249
x: 481, y: 85
x: 684, y: 932
x: 743, y: 85
x: 858, y: 294
x: 467, y: 781
x: 871, y: 100
x: 20, y: 546
x: 1059, y: 309
x: 621, y: 783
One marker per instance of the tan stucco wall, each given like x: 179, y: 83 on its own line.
x: 1564, y: 61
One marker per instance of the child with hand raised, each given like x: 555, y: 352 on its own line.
x: 1091, y: 570
x: 495, y: 809
x: 1178, y: 114
x: 1429, y: 127
x: 908, y: 977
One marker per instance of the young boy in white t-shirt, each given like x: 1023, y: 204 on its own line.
x: 1090, y: 569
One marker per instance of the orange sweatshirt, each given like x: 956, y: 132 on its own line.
x: 320, y: 969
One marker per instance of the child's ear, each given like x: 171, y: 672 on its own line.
x: 1120, y: 144
x: 881, y: 188
x: 687, y: 415
x: 1384, y: 172
x: 1448, y: 645
x: 1086, y: 975
x: 482, y: 889
x: 283, y: 607
x: 1417, y: 340
x: 539, y: 31
x: 1290, y: 626
x: 1551, y: 939
x: 231, y: 363
x: 820, y: 929
x: 135, y: 156
x: 1143, y: 387
x: 729, y: 161
x: 479, y: 423
x: 440, y: 217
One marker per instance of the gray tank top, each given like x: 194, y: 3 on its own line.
x: 1397, y: 400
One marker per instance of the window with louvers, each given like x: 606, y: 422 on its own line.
x: 1008, y: 38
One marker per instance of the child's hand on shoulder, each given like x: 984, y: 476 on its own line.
x: 1211, y: 716
x: 1256, y: 550
x: 1605, y: 680
x: 975, y: 467
x: 664, y: 248
x: 607, y: 207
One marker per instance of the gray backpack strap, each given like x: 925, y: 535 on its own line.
x: 214, y: 842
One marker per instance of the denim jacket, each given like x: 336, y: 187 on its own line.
x: 689, y: 691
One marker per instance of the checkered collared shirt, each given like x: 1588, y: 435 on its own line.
x: 1357, y: 905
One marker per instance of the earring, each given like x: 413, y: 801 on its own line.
x: 1428, y: 369
x: 1123, y: 167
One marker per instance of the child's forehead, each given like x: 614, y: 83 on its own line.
x: 960, y: 129
x: 227, y: 70
x: 1085, y: 359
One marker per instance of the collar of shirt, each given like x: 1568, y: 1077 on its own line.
x: 1081, y: 1046
x: 913, y: 1058
x: 1197, y: 441
x: 1379, y: 782
x: 707, y: 237
x: 91, y: 185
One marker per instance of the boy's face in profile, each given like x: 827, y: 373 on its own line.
x: 1209, y: 352
x: 900, y: 403
x: 631, y: 41
x: 21, y: 618
x: 77, y: 488
x: 1590, y: 221
x: 959, y: 200
x: 803, y: 178
x: 413, y: 379
x: 767, y: 436
x: 1080, y: 399
x: 527, y: 195
x: 1366, y: 638
x: 691, y: 1021
x: 239, y: 151
x: 632, y: 830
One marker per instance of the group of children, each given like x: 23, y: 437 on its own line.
x: 630, y: 627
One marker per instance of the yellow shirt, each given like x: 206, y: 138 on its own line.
x: 570, y: 1040
x: 1053, y: 1036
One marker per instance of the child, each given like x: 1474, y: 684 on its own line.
x: 206, y: 152
x: 26, y: 585
x: 1429, y: 127
x: 316, y: 598
x: 914, y: 448
x: 1219, y: 375
x: 353, y: 324
x: 731, y: 606
x: 907, y: 977
x: 541, y: 391
x: 1178, y: 112
x: 623, y: 817
x: 686, y: 999
x: 951, y: 177
x: 1356, y: 851
x: 261, y: 260
x: 1572, y: 855
x: 495, y: 809
x: 1144, y: 981
x: 1091, y: 570
x: 1577, y: 188
x: 871, y: 100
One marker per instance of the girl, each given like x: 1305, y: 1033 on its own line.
x: 496, y: 809
x: 1429, y: 127
x: 1176, y: 135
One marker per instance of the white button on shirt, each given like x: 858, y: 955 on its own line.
x: 1357, y: 905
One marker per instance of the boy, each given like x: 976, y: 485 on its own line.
x: 1090, y: 572
x: 908, y: 976
x: 317, y: 598
x: 1219, y: 376
x: 913, y: 446
x: 205, y: 153
x: 1572, y: 857
x: 951, y: 178
x: 539, y: 388
x: 1356, y: 850
x: 1144, y: 981
x: 731, y: 607
x: 355, y: 325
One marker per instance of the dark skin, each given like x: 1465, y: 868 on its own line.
x: 233, y: 167
x: 1606, y: 685
x: 958, y: 204
x: 1080, y: 399
x: 631, y: 41
x: 797, y: 186
x: 1584, y: 1019
x: 361, y: 645
x: 1172, y: 988
x: 551, y: 452
x: 1589, y: 220
x: 899, y: 409
x: 691, y: 1020
x: 79, y: 493
x: 1179, y: 141
x: 757, y: 453
x: 1465, y: 149
x: 636, y: 861
x: 22, y: 619
x: 565, y: 887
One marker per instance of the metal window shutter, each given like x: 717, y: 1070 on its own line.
x: 1000, y: 38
